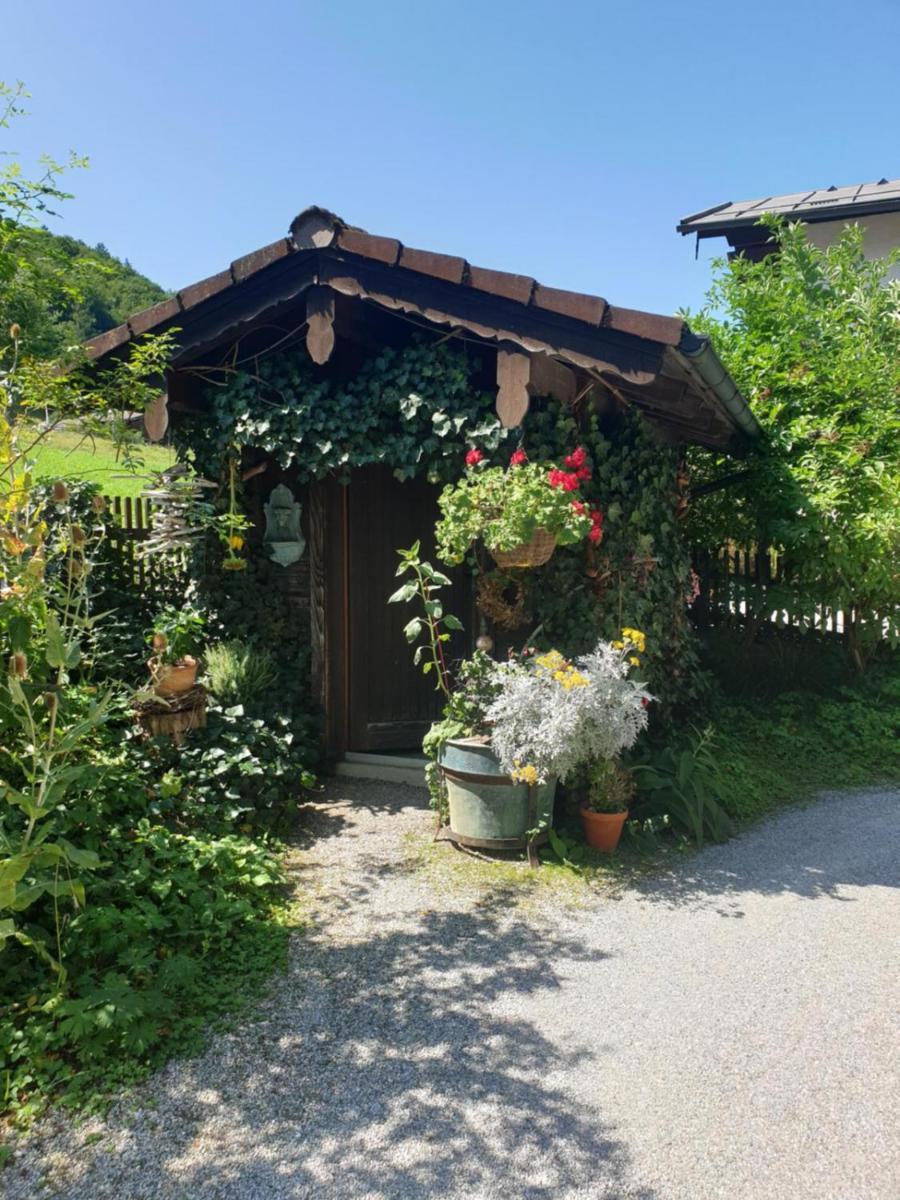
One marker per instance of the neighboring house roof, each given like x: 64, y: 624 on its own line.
x: 655, y: 361
x: 850, y: 203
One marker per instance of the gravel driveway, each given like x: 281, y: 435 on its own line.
x: 728, y: 1031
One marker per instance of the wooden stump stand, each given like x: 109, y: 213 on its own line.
x: 172, y: 717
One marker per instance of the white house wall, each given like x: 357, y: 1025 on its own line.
x: 881, y: 235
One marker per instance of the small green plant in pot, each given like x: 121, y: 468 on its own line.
x: 605, y: 810
x: 176, y: 639
x: 521, y: 513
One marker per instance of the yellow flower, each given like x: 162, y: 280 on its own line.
x: 527, y: 774
x: 634, y: 660
x: 618, y: 645
x: 636, y: 638
x: 552, y: 661
x: 575, y: 679
x: 236, y: 542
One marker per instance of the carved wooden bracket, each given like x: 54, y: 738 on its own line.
x: 513, y: 374
x: 320, y: 323
x: 156, y: 417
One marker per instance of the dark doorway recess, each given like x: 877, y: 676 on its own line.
x: 390, y: 703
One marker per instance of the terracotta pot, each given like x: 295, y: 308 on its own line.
x: 172, y: 679
x: 533, y: 553
x: 602, y: 830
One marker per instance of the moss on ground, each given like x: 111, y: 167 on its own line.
x: 452, y: 870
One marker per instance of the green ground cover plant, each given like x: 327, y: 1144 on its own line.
x: 785, y: 749
x: 181, y: 921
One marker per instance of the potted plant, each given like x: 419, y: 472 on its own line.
x: 605, y: 810
x: 511, y: 730
x: 521, y: 513
x: 175, y: 640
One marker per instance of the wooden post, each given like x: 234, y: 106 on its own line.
x: 317, y: 615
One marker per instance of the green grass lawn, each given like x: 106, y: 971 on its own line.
x: 68, y: 454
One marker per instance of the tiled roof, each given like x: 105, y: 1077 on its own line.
x: 825, y: 204
x: 653, y: 362
x: 316, y: 228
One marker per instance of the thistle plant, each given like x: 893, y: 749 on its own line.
x: 43, y: 615
x: 44, y: 618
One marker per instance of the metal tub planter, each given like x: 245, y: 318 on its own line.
x: 488, y: 810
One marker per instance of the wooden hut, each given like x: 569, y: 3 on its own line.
x: 346, y: 293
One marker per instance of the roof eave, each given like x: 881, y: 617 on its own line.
x: 699, y: 356
x: 817, y: 216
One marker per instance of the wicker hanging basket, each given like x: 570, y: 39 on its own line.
x: 533, y: 553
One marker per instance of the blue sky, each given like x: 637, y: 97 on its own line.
x: 561, y: 140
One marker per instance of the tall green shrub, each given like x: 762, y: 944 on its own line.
x: 812, y: 338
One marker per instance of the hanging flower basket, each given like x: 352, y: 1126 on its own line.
x: 521, y: 513
x: 533, y: 553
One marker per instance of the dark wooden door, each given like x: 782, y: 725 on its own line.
x: 390, y: 702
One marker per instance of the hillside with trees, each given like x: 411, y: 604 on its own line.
x: 101, y: 290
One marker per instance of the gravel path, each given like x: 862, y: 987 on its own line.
x: 729, y: 1031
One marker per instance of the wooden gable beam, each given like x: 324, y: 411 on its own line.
x: 626, y: 357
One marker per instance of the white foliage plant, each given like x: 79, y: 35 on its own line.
x: 551, y: 715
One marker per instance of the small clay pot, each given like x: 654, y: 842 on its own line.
x: 172, y: 679
x: 602, y: 830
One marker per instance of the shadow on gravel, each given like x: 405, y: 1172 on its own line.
x: 840, y: 841
x: 395, y: 1067
x: 323, y: 815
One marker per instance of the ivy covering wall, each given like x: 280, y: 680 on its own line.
x: 416, y: 410
x: 639, y: 574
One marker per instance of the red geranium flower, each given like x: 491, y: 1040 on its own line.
x: 518, y: 458
x: 563, y: 479
x: 597, y: 516
x: 576, y: 458
x: 474, y: 457
x: 596, y: 534
x: 580, y: 507
x: 583, y: 472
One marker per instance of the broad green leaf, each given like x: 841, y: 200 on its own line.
x: 404, y: 593
x: 412, y: 630
x: 56, y: 649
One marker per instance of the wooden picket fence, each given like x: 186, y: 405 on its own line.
x: 740, y: 584
x: 129, y: 524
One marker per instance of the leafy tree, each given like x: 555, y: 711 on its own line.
x: 812, y: 338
